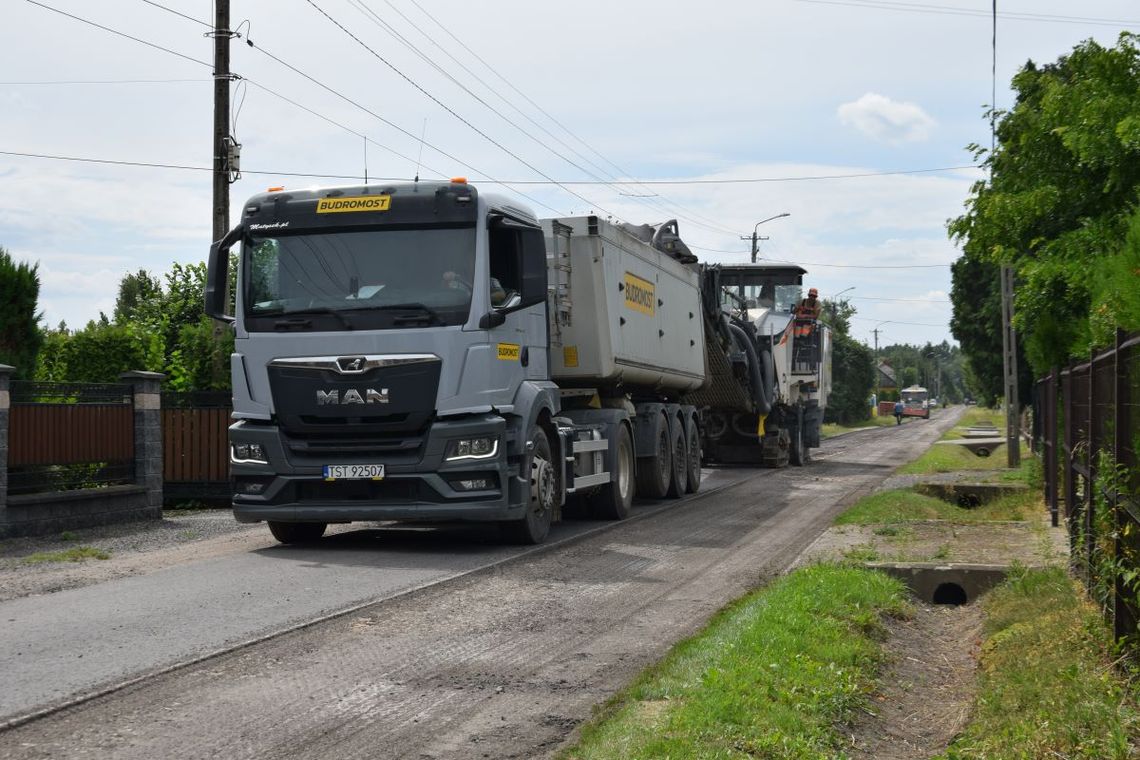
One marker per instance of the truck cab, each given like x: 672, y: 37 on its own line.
x: 390, y: 355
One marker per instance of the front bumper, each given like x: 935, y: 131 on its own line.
x: 417, y: 484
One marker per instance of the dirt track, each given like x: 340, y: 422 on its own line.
x: 501, y: 663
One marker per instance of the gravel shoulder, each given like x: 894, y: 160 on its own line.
x: 135, y: 548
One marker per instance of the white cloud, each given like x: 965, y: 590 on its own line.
x: 886, y: 120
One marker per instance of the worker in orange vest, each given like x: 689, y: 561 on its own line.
x: 807, y: 311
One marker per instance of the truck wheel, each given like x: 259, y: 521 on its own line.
x: 297, y: 532
x: 655, y: 472
x: 693, y: 450
x: 613, y: 501
x: 798, y: 452
x: 679, y: 478
x: 534, y: 525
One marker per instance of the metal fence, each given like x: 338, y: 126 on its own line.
x: 1088, y: 419
x: 64, y: 436
x: 195, y: 449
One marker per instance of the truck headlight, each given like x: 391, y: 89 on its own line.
x: 485, y: 447
x: 247, y: 452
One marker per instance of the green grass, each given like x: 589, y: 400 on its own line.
x: 975, y: 415
x: 905, y: 505
x: 1047, y: 687
x: 954, y: 458
x: 834, y: 428
x: 78, y: 554
x: 772, y: 676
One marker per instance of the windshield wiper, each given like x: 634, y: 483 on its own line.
x: 289, y: 322
x: 425, y: 311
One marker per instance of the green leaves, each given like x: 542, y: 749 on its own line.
x: 1063, y: 191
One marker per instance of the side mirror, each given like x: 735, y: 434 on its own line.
x: 217, y: 276
x: 492, y: 319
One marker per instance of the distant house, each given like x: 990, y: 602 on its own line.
x: 887, y: 381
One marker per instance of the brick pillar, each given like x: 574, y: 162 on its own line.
x: 5, y: 404
x: 148, y: 435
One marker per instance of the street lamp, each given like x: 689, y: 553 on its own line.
x: 836, y: 296
x: 754, y: 238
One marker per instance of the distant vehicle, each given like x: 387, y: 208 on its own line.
x: 916, y: 402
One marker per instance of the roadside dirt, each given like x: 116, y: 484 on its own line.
x: 137, y: 548
x: 927, y: 688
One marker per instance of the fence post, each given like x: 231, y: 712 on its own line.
x: 1049, y: 435
x: 148, y: 434
x: 1070, y: 478
x: 6, y: 372
x: 1120, y: 612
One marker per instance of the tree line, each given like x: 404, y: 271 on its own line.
x: 1060, y: 207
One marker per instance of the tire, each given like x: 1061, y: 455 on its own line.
x: 679, y: 472
x: 614, y: 500
x: 655, y: 472
x: 799, y: 454
x: 693, y: 448
x: 534, y: 525
x: 297, y: 532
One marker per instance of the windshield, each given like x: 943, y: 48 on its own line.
x: 360, y: 280
x: 753, y: 292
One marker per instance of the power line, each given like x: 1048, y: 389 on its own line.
x: 122, y: 34
x: 946, y: 10
x: 388, y: 122
x: 654, y: 202
x: 756, y: 180
x: 447, y: 108
x: 102, y: 81
x: 899, y: 322
x: 185, y: 167
x: 179, y: 13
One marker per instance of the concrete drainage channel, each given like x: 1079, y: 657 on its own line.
x: 959, y: 583
x: 944, y: 584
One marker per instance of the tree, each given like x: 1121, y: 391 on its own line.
x: 1058, y: 208
x: 852, y: 367
x: 20, y: 337
x: 139, y: 294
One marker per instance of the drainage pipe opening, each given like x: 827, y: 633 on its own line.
x: 950, y: 593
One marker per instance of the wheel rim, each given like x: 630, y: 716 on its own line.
x: 694, y: 452
x: 663, y: 456
x: 625, y: 468
x: 541, y: 484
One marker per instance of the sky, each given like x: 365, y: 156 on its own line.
x: 852, y: 117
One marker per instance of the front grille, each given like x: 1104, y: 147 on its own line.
x: 395, y: 448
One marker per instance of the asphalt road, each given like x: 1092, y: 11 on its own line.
x: 456, y: 646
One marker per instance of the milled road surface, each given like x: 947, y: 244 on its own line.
x: 501, y: 662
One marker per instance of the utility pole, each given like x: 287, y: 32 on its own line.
x: 221, y: 195
x: 876, y: 331
x: 755, y: 247
x: 1009, y: 366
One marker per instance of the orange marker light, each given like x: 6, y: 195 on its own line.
x: 275, y: 189
x: 459, y: 180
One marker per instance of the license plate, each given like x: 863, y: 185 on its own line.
x: 354, y: 472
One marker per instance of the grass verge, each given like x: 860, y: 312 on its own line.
x: 952, y: 458
x: 905, y: 505
x: 834, y: 428
x: 1047, y: 686
x: 771, y: 676
x: 78, y: 554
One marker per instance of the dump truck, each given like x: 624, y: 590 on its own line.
x: 429, y: 352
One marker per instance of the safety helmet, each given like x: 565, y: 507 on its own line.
x: 813, y: 293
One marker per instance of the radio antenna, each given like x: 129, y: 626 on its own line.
x: 365, y: 160
x: 419, y: 158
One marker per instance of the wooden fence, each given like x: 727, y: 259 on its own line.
x: 1088, y: 418
x: 66, y: 436
x: 195, y: 449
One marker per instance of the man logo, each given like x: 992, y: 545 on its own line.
x: 352, y: 396
x: 348, y: 364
